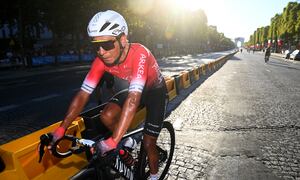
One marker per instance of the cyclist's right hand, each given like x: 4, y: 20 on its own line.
x: 104, y: 146
x: 57, y: 134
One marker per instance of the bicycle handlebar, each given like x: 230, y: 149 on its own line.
x: 77, y: 145
x: 76, y: 148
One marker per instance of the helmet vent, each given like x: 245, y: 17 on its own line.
x: 114, y: 26
x: 104, y: 26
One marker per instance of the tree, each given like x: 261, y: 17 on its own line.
x: 284, y: 26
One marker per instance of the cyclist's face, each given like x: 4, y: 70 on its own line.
x: 107, y: 48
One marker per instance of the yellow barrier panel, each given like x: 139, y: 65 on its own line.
x: 21, y: 157
x: 196, y: 73
x: 203, y: 68
x: 210, y: 66
x: 171, y: 87
x: 214, y: 65
x: 185, y: 79
x: 139, y: 117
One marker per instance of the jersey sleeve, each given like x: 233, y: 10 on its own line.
x: 94, y: 75
x: 139, y: 70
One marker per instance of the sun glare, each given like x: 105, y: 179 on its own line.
x: 194, y: 4
x: 189, y: 4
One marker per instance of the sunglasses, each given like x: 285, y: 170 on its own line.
x: 106, y: 45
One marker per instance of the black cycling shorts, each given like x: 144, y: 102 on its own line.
x: 155, y: 101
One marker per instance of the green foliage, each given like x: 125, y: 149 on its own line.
x: 284, y: 26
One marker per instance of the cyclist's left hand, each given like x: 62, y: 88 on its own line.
x: 105, y: 146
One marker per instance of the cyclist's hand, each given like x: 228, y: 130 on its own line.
x: 57, y: 134
x: 105, y: 146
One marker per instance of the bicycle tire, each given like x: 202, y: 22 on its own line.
x: 143, y: 169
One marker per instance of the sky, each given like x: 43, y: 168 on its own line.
x: 238, y: 18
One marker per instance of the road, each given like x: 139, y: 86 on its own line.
x: 241, y: 123
x: 33, y: 99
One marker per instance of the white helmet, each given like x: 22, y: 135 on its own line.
x: 107, y: 23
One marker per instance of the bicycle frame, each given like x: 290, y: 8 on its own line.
x: 127, y: 172
x: 118, y: 166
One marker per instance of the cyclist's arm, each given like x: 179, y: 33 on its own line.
x: 81, y: 98
x: 129, y: 109
x: 75, y: 108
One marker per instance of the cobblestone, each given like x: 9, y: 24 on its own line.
x: 249, y: 121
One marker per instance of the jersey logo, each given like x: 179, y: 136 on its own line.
x: 141, y: 66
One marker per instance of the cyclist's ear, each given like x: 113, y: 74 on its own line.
x: 123, y: 40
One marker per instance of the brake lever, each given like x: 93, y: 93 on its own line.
x: 83, y: 144
x: 45, y: 140
x: 86, y: 142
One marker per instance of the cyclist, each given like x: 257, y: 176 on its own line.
x: 129, y: 61
x: 267, y: 53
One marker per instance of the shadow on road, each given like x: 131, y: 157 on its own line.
x: 282, y: 65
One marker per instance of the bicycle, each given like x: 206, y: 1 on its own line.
x: 267, y: 58
x: 113, y: 167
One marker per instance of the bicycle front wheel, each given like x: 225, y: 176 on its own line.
x: 165, y: 145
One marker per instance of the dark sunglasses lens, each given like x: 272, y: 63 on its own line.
x: 109, y: 45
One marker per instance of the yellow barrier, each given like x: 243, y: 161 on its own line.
x: 21, y: 157
x: 185, y: 79
x: 210, y: 66
x: 178, y: 82
x: 214, y: 65
x: 196, y: 73
x: 171, y: 87
x: 203, y: 68
x: 139, y: 117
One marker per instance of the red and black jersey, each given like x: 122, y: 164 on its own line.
x: 139, y: 68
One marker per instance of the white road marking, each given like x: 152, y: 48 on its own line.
x: 45, y: 97
x: 5, y: 108
x: 268, y: 70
